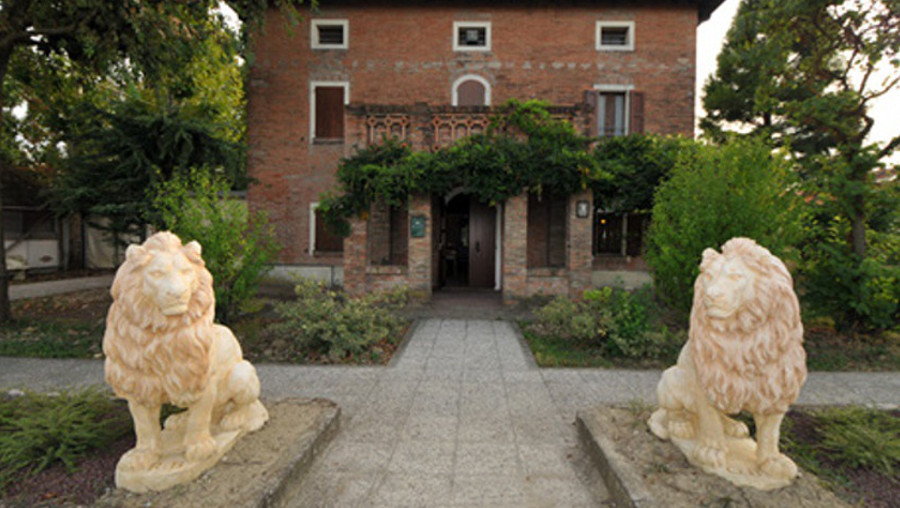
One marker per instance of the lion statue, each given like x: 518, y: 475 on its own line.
x: 744, y: 353
x: 162, y: 346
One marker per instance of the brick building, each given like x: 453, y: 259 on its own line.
x: 428, y: 73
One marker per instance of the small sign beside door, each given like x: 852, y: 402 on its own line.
x: 417, y: 226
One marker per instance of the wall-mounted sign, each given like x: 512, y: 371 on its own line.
x: 582, y: 209
x: 417, y: 226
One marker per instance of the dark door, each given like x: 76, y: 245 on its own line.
x: 482, y: 231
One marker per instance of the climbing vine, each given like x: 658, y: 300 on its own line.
x: 524, y: 148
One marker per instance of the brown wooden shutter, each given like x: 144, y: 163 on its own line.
x: 329, y: 112
x: 326, y: 241
x: 590, y: 98
x: 637, y: 113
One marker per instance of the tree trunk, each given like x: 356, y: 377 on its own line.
x: 5, y: 312
x: 858, y: 230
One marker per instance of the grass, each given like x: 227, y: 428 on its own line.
x: 854, y: 450
x: 557, y: 352
x: 40, y: 430
x: 50, y: 339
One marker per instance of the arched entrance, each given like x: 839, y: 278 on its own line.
x: 467, y: 248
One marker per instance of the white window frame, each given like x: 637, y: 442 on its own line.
x: 473, y: 24
x: 312, y: 227
x: 314, y: 33
x: 614, y: 24
x: 312, y: 101
x: 454, y: 99
x: 626, y: 89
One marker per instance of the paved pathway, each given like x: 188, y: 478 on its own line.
x: 462, y: 418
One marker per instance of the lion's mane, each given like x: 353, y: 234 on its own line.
x: 766, y: 374
x: 150, y: 357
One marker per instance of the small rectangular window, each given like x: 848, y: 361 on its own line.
x: 329, y: 113
x: 615, y: 36
x: 471, y: 36
x: 329, y: 33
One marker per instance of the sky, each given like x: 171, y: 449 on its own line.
x: 711, y: 36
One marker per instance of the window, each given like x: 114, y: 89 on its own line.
x: 618, y: 110
x: 546, y: 231
x: 388, y: 234
x: 329, y: 33
x: 327, y: 100
x: 472, y: 36
x: 615, y: 36
x: 322, y: 239
x: 471, y: 90
x: 620, y: 233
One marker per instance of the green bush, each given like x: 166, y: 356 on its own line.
x: 622, y: 324
x: 327, y: 322
x: 39, y: 430
x: 857, y: 293
x: 237, y: 250
x: 717, y: 193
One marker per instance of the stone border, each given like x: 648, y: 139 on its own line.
x: 264, y: 470
x: 623, y: 482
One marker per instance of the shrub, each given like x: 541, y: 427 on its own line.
x: 623, y: 324
x: 38, y: 430
x: 716, y: 193
x: 327, y: 322
x: 236, y: 249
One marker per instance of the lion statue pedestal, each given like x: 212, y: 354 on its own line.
x: 162, y: 346
x: 744, y: 353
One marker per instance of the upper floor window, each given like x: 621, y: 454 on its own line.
x: 471, y: 90
x: 329, y: 33
x: 615, y: 36
x: 327, y: 101
x: 471, y: 36
x: 618, y: 110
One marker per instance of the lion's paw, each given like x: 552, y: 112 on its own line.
x: 779, y: 466
x: 682, y: 429
x: 139, y: 459
x: 200, y: 449
x: 710, y: 456
x: 176, y: 421
x: 249, y: 417
x: 734, y: 428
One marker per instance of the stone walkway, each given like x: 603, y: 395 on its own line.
x: 462, y: 417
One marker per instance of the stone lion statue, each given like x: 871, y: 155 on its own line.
x: 744, y: 353
x: 162, y: 346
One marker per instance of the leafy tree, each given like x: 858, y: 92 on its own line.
x: 237, y: 248
x: 714, y: 194
x: 86, y: 40
x: 804, y: 71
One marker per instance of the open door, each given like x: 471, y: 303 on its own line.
x: 482, y: 245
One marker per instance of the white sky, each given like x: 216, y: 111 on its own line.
x: 711, y: 36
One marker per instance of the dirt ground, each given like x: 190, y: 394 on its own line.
x: 673, y: 482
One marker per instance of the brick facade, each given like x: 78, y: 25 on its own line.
x: 400, y: 59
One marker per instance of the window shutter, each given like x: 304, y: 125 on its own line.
x: 637, y: 113
x: 326, y: 241
x: 590, y: 98
x: 329, y: 112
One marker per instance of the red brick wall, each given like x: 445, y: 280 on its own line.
x: 403, y: 55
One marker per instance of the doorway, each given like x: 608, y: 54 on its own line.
x: 467, y: 249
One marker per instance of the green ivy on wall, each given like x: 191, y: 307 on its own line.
x: 523, y: 149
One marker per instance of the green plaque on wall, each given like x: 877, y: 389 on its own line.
x: 417, y: 226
